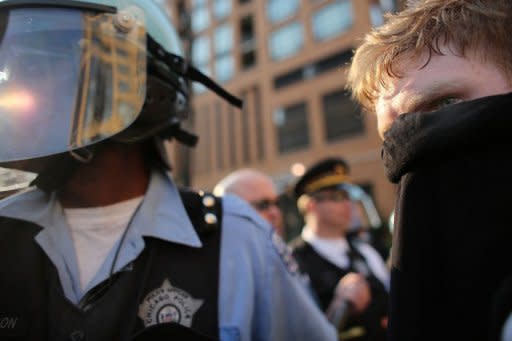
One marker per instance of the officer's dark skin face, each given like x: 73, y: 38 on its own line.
x: 116, y: 173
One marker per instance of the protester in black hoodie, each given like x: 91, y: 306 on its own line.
x: 438, y: 77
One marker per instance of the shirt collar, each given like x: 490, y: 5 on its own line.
x: 161, y: 214
x: 332, y: 249
x: 309, y: 236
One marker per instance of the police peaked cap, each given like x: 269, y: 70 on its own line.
x: 325, y: 173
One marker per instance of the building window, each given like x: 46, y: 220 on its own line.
x: 278, y: 10
x: 224, y: 68
x: 286, y: 41
x: 332, y: 20
x: 376, y: 15
x: 200, y: 18
x: 221, y: 8
x: 201, y: 51
x: 342, y: 116
x: 292, y: 127
x: 388, y: 5
x: 201, y: 59
x: 224, y: 63
x: 377, y: 10
x: 223, y: 39
x: 247, y: 43
x: 248, y: 59
x: 314, y: 69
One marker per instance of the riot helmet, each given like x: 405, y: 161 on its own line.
x: 75, y: 73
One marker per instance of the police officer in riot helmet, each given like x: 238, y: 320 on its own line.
x: 103, y: 245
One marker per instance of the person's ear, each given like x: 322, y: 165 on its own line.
x: 310, y: 205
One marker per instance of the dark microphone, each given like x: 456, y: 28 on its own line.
x: 339, y: 311
x: 351, y: 295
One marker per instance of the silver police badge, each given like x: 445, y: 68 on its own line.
x: 168, y: 304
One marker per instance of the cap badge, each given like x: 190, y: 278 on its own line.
x: 339, y: 170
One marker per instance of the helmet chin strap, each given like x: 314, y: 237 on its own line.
x: 84, y: 155
x: 179, y: 65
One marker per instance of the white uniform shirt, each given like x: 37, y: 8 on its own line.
x: 335, y: 250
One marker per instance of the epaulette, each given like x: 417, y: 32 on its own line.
x: 204, y: 210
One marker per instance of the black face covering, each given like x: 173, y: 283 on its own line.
x: 452, y: 227
x: 416, y: 140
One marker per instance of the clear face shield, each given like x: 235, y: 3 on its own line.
x: 68, y: 78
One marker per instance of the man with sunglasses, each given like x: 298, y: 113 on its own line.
x: 326, y: 255
x: 256, y: 188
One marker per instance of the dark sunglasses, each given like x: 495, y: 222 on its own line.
x: 264, y: 204
x: 336, y: 196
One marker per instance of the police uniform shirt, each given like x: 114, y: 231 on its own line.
x: 506, y: 334
x: 261, y: 297
x: 336, y: 252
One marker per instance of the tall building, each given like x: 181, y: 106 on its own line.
x: 287, y: 59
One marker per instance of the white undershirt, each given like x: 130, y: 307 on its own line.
x: 94, y: 232
x: 335, y: 250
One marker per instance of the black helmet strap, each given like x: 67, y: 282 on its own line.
x: 184, y: 69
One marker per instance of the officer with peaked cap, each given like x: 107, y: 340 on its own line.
x: 326, y: 255
x: 103, y: 245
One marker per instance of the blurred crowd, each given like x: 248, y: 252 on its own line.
x: 335, y: 249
